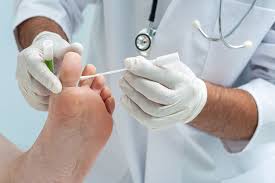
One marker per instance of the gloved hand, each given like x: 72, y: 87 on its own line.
x: 159, y: 93
x: 35, y: 80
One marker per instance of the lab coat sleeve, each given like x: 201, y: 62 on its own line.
x: 66, y: 13
x: 259, y: 77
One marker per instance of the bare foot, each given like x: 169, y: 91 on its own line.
x: 78, y: 126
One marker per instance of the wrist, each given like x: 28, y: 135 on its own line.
x: 29, y: 29
x: 58, y: 41
x: 199, y: 101
x: 213, y: 95
x: 45, y: 35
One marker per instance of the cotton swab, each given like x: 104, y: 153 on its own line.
x: 102, y: 74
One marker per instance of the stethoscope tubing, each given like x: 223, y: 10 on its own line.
x: 197, y: 25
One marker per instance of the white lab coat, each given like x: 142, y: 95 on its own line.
x: 180, y: 154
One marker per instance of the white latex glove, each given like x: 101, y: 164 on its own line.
x: 160, y: 93
x: 35, y: 80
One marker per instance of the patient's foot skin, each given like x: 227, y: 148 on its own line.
x: 98, y: 85
x: 78, y: 126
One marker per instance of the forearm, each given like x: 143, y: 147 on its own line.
x: 30, y: 28
x: 229, y: 113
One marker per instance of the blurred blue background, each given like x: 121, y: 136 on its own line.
x: 18, y: 122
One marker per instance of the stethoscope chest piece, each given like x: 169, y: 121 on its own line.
x: 143, y: 41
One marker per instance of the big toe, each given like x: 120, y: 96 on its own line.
x: 70, y: 71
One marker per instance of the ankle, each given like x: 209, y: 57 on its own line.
x: 16, y: 172
x: 21, y: 170
x: 30, y: 167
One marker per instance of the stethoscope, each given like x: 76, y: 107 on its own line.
x: 143, y: 41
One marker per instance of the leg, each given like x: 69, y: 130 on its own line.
x: 77, y: 128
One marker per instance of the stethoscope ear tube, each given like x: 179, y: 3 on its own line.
x: 222, y: 37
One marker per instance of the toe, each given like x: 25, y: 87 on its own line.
x: 88, y: 70
x: 110, y: 104
x: 98, y: 84
x: 70, y: 71
x: 105, y: 93
x: 108, y: 99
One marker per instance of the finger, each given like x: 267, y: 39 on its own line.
x: 146, y: 69
x: 29, y: 92
x: 74, y: 47
x: 61, y: 50
x: 146, y: 120
x: 77, y: 48
x: 38, y: 89
x: 32, y: 100
x: 98, y: 84
x: 23, y: 76
x: 70, y: 71
x: 36, y: 106
x: 36, y: 98
x: 149, y: 107
x: 21, y: 68
x: 105, y: 93
x: 173, y: 62
x: 110, y: 104
x: 88, y: 70
x: 40, y: 71
x: 151, y: 90
x: 135, y: 111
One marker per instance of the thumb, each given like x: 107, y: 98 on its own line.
x: 70, y: 71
